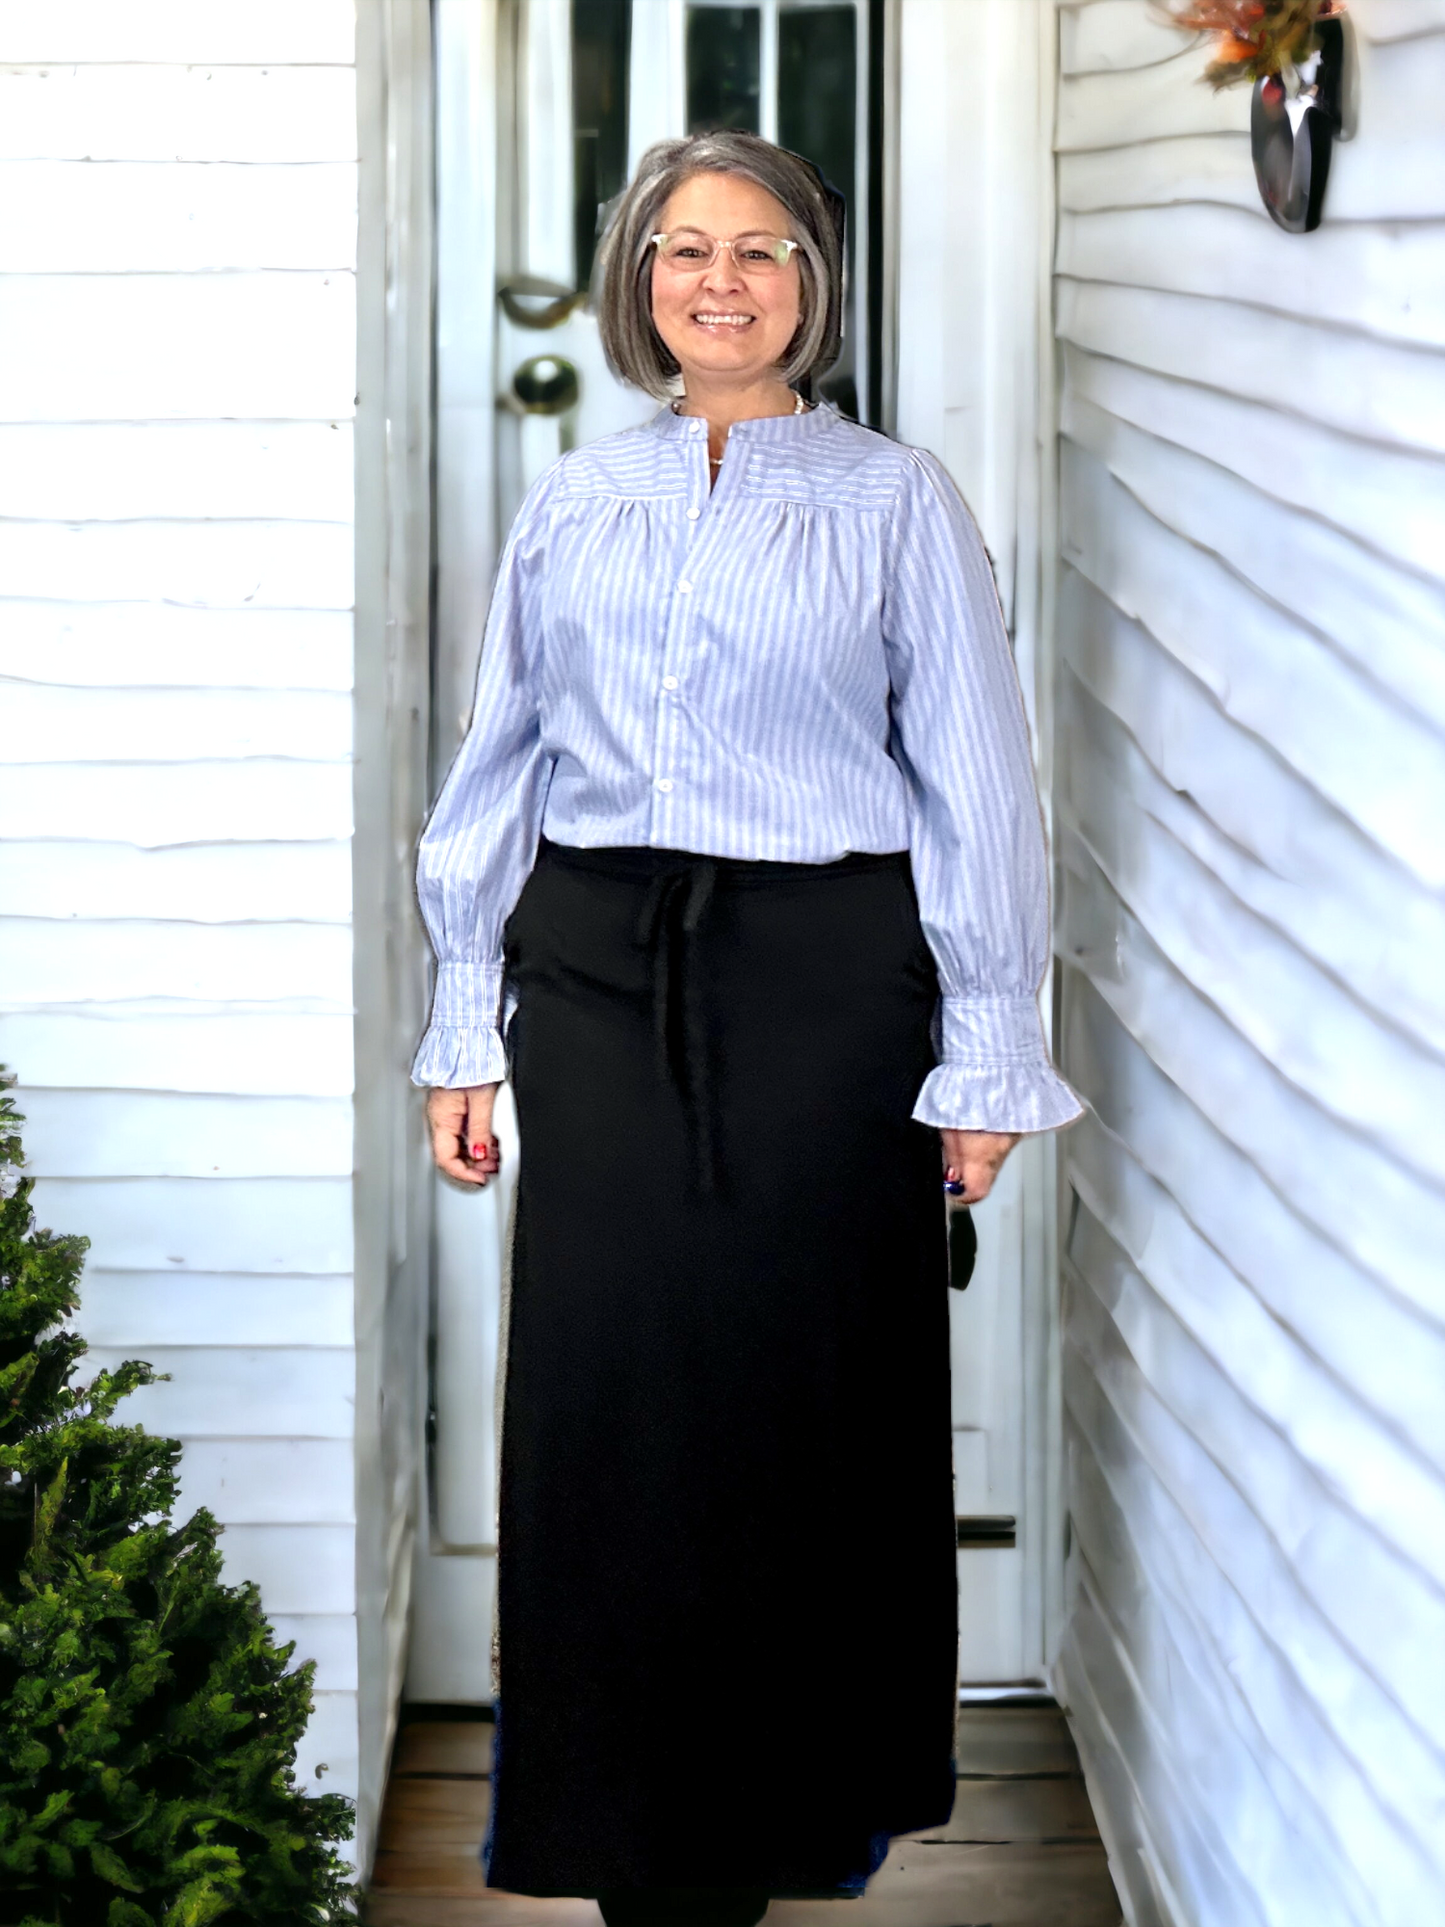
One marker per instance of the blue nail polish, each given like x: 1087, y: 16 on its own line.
x: 954, y: 1188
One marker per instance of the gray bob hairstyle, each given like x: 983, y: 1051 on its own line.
x: 634, y: 349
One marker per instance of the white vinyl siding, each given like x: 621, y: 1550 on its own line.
x: 1250, y: 786
x: 178, y: 229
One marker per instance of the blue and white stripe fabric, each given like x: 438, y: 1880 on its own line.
x: 808, y: 660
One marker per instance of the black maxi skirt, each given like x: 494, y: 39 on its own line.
x: 726, y: 1582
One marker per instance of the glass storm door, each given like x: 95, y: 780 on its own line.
x: 597, y: 81
x: 543, y: 108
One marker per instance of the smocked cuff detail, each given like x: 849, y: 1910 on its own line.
x: 466, y: 994
x: 463, y: 1043
x: 995, y: 1074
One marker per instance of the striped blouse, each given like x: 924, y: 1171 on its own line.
x: 808, y: 660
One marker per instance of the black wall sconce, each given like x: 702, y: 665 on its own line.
x: 1295, y: 118
x: 1300, y: 57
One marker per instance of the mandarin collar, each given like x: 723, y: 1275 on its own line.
x: 761, y: 428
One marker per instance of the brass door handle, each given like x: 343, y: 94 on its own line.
x: 529, y: 301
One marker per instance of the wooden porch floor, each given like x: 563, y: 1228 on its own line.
x: 1020, y: 1849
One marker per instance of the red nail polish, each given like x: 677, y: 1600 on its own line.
x: 478, y: 1150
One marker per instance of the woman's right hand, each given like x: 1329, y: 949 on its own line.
x: 461, y: 1133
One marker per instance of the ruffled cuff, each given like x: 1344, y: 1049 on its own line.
x: 463, y: 1043
x: 455, y: 1059
x: 995, y: 1074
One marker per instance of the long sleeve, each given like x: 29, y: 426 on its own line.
x: 481, y: 840
x: 975, y: 832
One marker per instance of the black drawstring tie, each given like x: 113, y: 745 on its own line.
x: 672, y: 913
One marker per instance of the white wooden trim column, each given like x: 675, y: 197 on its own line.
x: 975, y: 385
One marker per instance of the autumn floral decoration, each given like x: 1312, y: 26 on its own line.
x: 1254, y: 39
x: 1295, y: 54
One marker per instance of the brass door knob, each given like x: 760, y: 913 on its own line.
x: 546, y: 385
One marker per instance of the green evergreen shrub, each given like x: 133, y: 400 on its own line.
x: 148, y: 1724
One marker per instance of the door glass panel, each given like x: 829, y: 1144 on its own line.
x: 724, y: 68
x: 818, y: 90
x: 601, y: 52
x: 817, y: 117
x: 807, y: 73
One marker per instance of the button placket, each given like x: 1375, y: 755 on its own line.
x: 697, y: 464
x: 663, y: 735
x: 664, y: 758
x: 668, y: 722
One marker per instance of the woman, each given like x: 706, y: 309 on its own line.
x: 746, y: 788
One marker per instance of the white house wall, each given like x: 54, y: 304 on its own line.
x: 1249, y: 791
x: 178, y: 218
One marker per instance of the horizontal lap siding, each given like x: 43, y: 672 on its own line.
x: 178, y: 224
x: 1251, y: 730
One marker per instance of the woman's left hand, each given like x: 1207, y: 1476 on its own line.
x: 974, y: 1158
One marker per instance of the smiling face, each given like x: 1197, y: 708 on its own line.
x: 723, y: 327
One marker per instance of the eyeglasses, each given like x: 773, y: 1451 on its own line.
x: 688, y: 252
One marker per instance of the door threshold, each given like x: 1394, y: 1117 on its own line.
x: 1023, y: 1692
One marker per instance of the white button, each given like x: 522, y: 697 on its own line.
x: 693, y: 514
x: 696, y: 429
x: 669, y: 682
x: 684, y: 588
x: 664, y: 783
